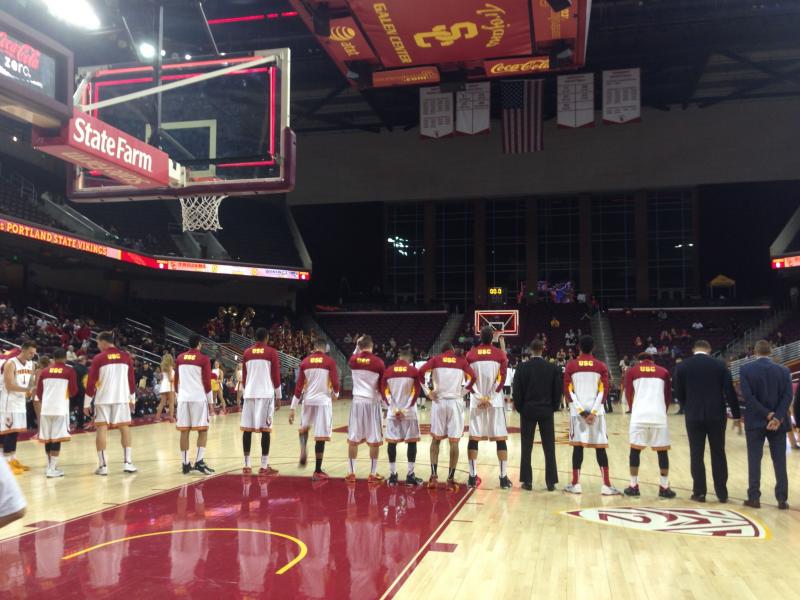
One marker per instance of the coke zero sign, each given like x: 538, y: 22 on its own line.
x: 26, y: 64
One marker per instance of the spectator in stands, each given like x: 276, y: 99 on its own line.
x: 570, y: 338
x: 348, y: 339
x: 71, y: 356
x: 779, y: 339
x: 697, y: 325
x: 637, y: 343
x: 651, y: 349
x: 662, y: 315
x: 555, y: 323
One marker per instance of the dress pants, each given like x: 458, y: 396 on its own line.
x: 698, y: 431
x: 777, y: 450
x: 547, y: 433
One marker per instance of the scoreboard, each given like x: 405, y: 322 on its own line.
x: 497, y: 295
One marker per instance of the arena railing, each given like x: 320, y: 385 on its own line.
x: 782, y: 354
x: 9, y: 343
x: 241, y: 342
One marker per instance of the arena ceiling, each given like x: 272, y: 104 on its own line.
x: 691, y: 52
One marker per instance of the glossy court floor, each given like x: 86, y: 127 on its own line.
x: 160, y: 534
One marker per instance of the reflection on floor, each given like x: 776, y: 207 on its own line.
x: 235, y: 536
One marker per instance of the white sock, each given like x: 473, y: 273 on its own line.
x: 410, y: 468
x: 393, y: 468
x: 373, y: 466
x: 185, y: 457
x: 13, y: 456
x: 352, y: 463
x: 472, y: 471
x: 247, y: 460
x: 503, y: 464
x: 201, y: 452
x: 664, y: 481
x: 53, y: 462
x: 127, y: 452
x: 101, y: 458
x: 49, y: 462
x: 634, y: 480
x: 264, y: 462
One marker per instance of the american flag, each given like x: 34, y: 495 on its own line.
x: 522, y: 116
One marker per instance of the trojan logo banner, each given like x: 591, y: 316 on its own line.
x: 414, y: 32
x: 347, y: 42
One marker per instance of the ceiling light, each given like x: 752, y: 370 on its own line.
x: 187, y: 56
x: 75, y: 12
x: 163, y: 53
x: 14, y: 138
x: 146, y: 50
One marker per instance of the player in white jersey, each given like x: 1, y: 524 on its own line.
x: 55, y: 385
x: 365, y: 425
x: 195, y: 403
x: 487, y: 416
x: 18, y: 377
x: 112, y: 388
x: 12, y: 502
x: 648, y: 389
x: 317, y: 387
x: 400, y: 387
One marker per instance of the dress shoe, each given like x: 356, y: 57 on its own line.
x: 722, y: 499
x: 698, y: 497
x: 526, y: 486
x: 783, y: 505
x: 551, y: 487
x: 752, y: 503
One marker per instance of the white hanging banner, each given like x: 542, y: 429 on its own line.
x: 435, y: 113
x: 622, y: 96
x: 472, y: 109
x: 576, y: 100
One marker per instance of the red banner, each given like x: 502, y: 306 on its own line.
x: 347, y: 42
x: 92, y: 144
x: 414, y: 32
x: 549, y: 25
x: 416, y: 76
x: 143, y: 260
x: 509, y: 67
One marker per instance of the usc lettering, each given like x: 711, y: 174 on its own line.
x: 449, y: 360
x: 363, y: 361
x: 258, y: 351
x: 315, y: 360
x: 585, y: 363
x: 189, y: 357
x: 114, y: 356
x: 401, y: 369
x: 56, y: 370
x: 645, y: 369
x: 484, y: 352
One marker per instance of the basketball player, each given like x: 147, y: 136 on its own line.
x: 487, y: 415
x: 112, y: 387
x: 54, y: 387
x: 261, y: 385
x: 195, y: 403
x: 400, y: 390
x: 586, y: 385
x: 317, y: 387
x: 451, y: 379
x: 649, y: 393
x: 19, y: 381
x: 366, y: 420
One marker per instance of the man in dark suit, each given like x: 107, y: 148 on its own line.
x: 767, y: 393
x: 536, y: 392
x: 704, y: 387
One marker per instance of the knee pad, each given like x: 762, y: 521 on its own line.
x: 502, y: 446
x: 635, y: 457
x: 472, y: 445
x: 663, y: 459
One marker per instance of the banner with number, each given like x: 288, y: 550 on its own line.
x: 435, y: 112
x: 622, y: 96
x: 472, y: 109
x: 576, y: 100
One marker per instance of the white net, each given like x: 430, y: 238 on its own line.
x: 201, y: 213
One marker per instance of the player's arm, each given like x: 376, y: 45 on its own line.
x: 602, y: 391
x: 176, y: 378
x: 10, y: 378
x: 205, y: 372
x: 667, y: 389
x: 37, y: 397
x: 91, y: 385
x: 423, y: 370
x: 72, y: 384
x: 502, y: 373
x: 275, y: 365
x: 298, y: 392
x: 469, y: 376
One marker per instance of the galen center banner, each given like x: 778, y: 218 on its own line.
x: 421, y: 32
x: 93, y: 144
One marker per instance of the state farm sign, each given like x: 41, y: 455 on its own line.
x: 93, y: 144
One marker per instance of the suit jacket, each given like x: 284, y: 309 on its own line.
x: 536, y: 389
x: 766, y: 387
x: 703, y: 385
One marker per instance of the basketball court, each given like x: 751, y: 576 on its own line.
x: 192, y: 131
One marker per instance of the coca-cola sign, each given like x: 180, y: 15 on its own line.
x: 26, y: 64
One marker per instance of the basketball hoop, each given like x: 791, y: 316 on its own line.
x: 201, y: 213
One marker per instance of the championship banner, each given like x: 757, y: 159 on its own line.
x: 622, y: 96
x: 414, y: 32
x: 576, y: 100
x: 435, y: 113
x: 346, y: 41
x: 549, y: 25
x: 472, y: 109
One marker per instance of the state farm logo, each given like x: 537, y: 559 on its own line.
x: 512, y: 68
x: 114, y: 146
x: 25, y: 54
x: 342, y: 33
